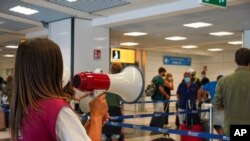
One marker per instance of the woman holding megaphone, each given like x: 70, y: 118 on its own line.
x: 39, y: 111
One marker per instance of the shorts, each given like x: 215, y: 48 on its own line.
x: 158, y: 107
x: 218, y: 118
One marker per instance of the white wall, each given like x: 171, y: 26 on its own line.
x: 222, y: 63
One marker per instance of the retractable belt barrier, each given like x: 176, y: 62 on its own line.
x: 171, y: 131
x: 158, y: 101
x: 164, y: 130
x: 156, y: 114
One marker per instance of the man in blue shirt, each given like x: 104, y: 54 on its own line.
x: 218, y: 116
x: 208, y: 89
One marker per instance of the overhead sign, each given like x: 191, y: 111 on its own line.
x: 181, y: 61
x: 122, y: 55
x: 217, y: 3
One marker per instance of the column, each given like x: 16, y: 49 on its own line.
x: 246, y: 39
x: 78, y: 39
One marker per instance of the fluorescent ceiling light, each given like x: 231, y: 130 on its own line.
x: 198, y: 25
x: 72, y: 0
x: 135, y: 34
x: 8, y: 55
x: 11, y: 46
x: 23, y: 10
x: 222, y: 33
x: 214, y: 49
x: 189, y: 46
x: 176, y: 38
x: 235, y: 42
x: 129, y: 44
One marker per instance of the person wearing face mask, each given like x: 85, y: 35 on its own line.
x: 169, y: 85
x: 160, y: 93
x: 187, y: 90
x: 194, y: 79
x: 204, y: 79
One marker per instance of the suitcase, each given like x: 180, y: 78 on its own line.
x: 194, y: 128
x: 158, y: 121
x: 192, y: 123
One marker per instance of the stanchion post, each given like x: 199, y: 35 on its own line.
x: 211, y: 120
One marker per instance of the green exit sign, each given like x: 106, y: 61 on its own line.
x: 218, y: 3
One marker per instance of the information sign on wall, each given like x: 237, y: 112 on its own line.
x: 181, y: 61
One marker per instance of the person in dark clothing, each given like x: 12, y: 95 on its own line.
x: 169, y: 85
x: 204, y: 79
x: 187, y: 90
x: 111, y: 133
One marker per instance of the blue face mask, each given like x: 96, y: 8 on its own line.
x: 187, y: 79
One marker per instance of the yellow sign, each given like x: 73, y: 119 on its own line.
x: 122, y: 55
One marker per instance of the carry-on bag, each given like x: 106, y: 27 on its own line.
x: 191, y: 123
x: 158, y: 121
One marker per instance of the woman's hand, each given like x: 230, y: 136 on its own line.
x: 99, y: 107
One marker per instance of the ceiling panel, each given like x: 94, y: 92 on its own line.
x: 91, y: 5
x: 14, y: 25
x: 44, y: 14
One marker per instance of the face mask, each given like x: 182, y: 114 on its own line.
x: 203, y: 75
x: 187, y: 79
x: 170, y: 78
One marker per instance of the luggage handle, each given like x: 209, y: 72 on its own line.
x: 189, y: 107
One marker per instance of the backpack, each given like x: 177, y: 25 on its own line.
x: 151, y: 89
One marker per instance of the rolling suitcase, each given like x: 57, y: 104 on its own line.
x: 191, y: 123
x: 158, y: 121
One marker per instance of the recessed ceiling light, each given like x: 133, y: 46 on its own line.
x: 72, y: 0
x: 1, y: 49
x: 197, y: 24
x: 189, y: 46
x: 11, y: 46
x: 8, y: 55
x: 214, y: 49
x: 222, y: 33
x: 235, y: 42
x: 23, y: 10
x: 176, y: 38
x: 135, y: 33
x: 129, y: 44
